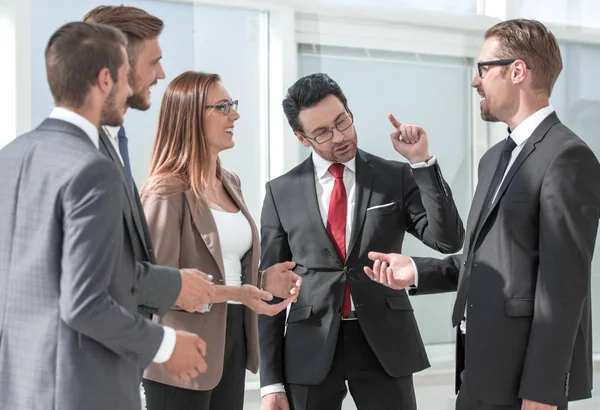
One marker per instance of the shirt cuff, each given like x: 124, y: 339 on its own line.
x: 272, y: 388
x: 416, y: 285
x: 166, y: 346
x: 431, y: 161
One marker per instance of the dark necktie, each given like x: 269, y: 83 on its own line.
x: 461, y: 296
x: 124, y: 151
x: 336, y: 222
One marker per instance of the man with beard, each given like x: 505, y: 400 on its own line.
x: 160, y: 287
x: 522, y: 310
x: 70, y: 334
x: 325, y: 215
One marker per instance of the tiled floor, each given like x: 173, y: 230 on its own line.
x: 434, y: 386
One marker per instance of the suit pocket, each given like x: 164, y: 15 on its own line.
x: 519, y: 307
x: 299, y: 314
x: 399, y: 303
x: 383, y: 209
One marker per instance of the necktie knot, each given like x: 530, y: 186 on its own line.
x: 337, y: 170
x: 509, y: 144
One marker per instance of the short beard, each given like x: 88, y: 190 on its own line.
x: 111, y: 115
x: 137, y: 101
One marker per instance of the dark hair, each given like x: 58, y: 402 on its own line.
x: 308, y: 92
x: 75, y: 55
x: 532, y: 42
x: 136, y: 24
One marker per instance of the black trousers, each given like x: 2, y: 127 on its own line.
x: 370, y: 386
x: 228, y: 394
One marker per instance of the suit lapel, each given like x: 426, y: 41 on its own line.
x: 207, y: 228
x: 364, y: 181
x: 107, y: 147
x: 313, y: 214
x: 538, y: 135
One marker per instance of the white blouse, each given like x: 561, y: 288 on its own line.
x: 235, y: 238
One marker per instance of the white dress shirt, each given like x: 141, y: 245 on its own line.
x: 113, y: 137
x: 324, y: 182
x: 169, y: 337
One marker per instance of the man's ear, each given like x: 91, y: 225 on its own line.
x: 303, y: 140
x: 519, y: 73
x: 104, y: 80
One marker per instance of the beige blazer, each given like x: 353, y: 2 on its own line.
x: 185, y: 235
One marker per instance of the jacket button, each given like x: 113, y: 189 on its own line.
x: 464, y: 263
x: 338, y: 309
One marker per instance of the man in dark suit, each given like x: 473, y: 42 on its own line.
x: 325, y: 215
x: 70, y: 334
x: 523, y: 301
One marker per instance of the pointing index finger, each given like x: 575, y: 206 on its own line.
x: 393, y: 120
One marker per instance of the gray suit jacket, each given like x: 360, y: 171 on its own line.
x: 526, y: 268
x: 70, y: 334
x: 292, y: 229
x: 158, y: 286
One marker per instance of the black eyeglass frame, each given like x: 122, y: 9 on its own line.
x: 495, y: 63
x: 320, y: 141
x: 225, y: 106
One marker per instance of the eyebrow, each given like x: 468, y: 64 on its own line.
x: 334, y: 121
x: 156, y: 60
x: 220, y: 102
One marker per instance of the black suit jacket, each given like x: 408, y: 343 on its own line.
x: 158, y: 286
x: 292, y: 229
x: 527, y: 273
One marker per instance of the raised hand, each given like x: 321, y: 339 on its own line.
x: 255, y: 299
x: 410, y: 141
x: 196, y: 290
x: 391, y: 269
x: 187, y: 359
x: 280, y: 281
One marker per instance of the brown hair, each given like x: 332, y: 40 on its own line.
x: 181, y: 148
x: 532, y: 42
x: 76, y: 53
x: 135, y: 23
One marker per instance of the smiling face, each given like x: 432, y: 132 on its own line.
x: 219, y: 127
x: 327, y: 113
x: 145, y: 73
x: 499, y: 94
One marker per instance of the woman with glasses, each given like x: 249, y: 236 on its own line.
x: 198, y: 219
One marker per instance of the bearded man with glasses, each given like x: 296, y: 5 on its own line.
x: 326, y: 214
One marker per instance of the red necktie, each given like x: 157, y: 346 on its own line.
x: 336, y: 222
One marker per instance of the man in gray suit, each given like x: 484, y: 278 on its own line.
x: 70, y: 334
x: 522, y: 310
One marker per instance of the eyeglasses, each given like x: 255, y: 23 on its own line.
x: 494, y: 63
x: 326, y: 133
x: 225, y: 107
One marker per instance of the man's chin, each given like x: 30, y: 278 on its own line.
x: 138, y: 103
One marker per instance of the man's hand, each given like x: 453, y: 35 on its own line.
x: 280, y: 281
x: 391, y: 269
x: 187, y: 359
x: 254, y: 298
x: 196, y: 289
x: 532, y: 405
x: 410, y: 141
x: 274, y: 401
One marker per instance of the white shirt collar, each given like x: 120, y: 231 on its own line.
x: 71, y: 117
x: 322, y: 165
x: 112, y: 132
x: 524, y: 130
